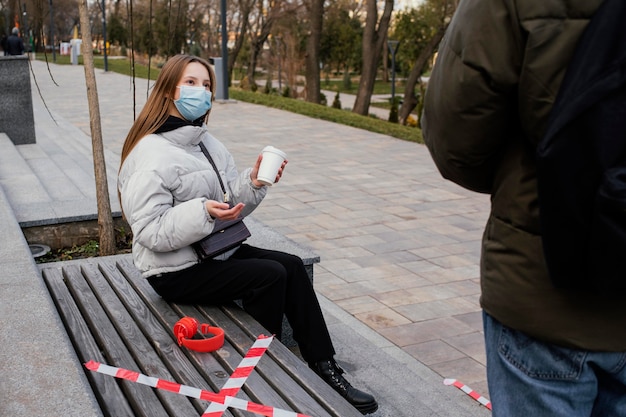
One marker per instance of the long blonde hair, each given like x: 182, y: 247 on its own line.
x: 157, y: 107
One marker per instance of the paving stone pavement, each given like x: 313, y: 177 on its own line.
x: 399, y: 246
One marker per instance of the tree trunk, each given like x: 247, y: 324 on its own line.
x: 373, y: 42
x: 255, y: 50
x: 105, y: 218
x: 385, y: 55
x: 245, y: 9
x: 409, y: 101
x: 316, y: 13
x: 259, y: 30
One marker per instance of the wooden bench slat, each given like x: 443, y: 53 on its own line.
x: 163, y: 340
x: 142, y: 398
x: 255, y: 388
x: 136, y: 343
x: 299, y: 371
x: 157, y: 329
x: 312, y: 390
x: 108, y: 393
x: 262, y: 387
x: 272, y: 373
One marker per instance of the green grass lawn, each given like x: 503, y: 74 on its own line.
x: 380, y: 87
x: 346, y: 117
x: 328, y: 113
x: 114, y: 64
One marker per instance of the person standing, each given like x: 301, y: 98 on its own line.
x: 3, y: 44
x: 171, y: 196
x: 550, y: 351
x: 15, y: 45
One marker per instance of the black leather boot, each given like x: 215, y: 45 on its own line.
x: 332, y: 374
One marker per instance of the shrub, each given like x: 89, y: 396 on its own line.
x: 393, y: 111
x: 268, y: 86
x: 336, y: 101
x: 323, y: 100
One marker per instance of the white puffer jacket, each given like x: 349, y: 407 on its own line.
x: 164, y: 183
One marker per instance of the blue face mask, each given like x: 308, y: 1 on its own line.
x: 194, y: 102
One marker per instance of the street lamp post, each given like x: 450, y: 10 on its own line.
x: 104, y: 35
x: 26, y: 36
x: 224, y: 50
x: 393, y: 48
x: 54, y: 54
x: 24, y: 19
x: 278, y: 46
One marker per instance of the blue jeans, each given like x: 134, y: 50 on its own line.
x: 527, y: 377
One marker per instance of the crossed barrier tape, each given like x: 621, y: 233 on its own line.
x: 484, y: 401
x: 240, y: 375
x: 223, y: 399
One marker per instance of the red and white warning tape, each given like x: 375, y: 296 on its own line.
x: 223, y: 399
x: 484, y: 401
x: 240, y: 375
x: 189, y: 391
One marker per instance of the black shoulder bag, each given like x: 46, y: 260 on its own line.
x: 226, y: 235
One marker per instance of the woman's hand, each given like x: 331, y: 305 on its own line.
x: 255, y: 171
x: 223, y: 211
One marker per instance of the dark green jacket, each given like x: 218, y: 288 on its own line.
x: 497, y: 74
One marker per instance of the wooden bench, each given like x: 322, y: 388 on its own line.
x: 113, y: 316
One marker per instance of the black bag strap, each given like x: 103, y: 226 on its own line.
x: 596, y: 68
x: 219, y: 177
x: 581, y: 162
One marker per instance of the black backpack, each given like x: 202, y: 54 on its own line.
x: 581, y: 162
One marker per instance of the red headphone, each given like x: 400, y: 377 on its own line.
x: 188, y: 326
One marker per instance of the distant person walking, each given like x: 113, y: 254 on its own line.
x: 14, y: 44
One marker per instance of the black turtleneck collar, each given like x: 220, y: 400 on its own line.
x: 173, y: 122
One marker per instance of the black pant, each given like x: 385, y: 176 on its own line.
x: 269, y: 283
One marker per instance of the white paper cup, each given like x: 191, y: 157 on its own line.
x: 270, y: 164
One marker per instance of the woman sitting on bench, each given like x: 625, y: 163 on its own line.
x: 171, y: 196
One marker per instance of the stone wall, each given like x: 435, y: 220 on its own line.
x: 16, y: 102
x: 66, y: 235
